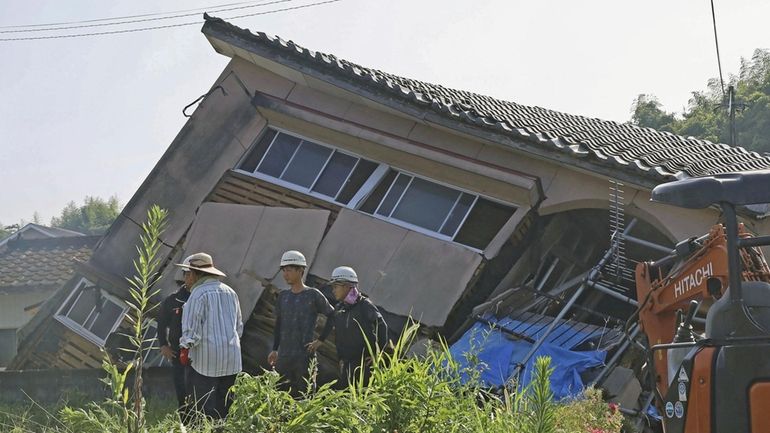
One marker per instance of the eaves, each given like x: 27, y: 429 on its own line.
x: 233, y: 41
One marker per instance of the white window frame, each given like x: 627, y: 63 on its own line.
x: 153, y: 345
x: 438, y: 233
x: 309, y: 190
x: 77, y: 327
x: 368, y: 187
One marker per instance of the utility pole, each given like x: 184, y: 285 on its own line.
x: 732, y: 108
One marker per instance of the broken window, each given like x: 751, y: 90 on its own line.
x: 90, y: 312
x: 152, y: 355
x: 416, y: 203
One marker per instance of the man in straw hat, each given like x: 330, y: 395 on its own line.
x: 211, y: 331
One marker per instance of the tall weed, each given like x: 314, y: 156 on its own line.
x: 117, y: 413
x: 404, y: 394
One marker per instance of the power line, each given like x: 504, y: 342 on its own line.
x: 141, y: 29
x: 113, y: 32
x: 716, y: 41
x: 142, y: 19
x: 728, y: 98
x: 124, y: 17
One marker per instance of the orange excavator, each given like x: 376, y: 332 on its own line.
x: 717, y: 381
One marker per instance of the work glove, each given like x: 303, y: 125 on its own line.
x: 184, y: 356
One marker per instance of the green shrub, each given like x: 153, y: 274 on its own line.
x: 408, y: 394
x: 589, y: 414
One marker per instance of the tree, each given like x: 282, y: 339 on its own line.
x: 94, y: 217
x: 705, y: 118
x: 647, y: 111
x: 6, y: 231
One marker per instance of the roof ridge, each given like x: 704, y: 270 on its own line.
x: 70, y: 241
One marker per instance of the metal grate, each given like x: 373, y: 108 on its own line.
x: 617, y: 263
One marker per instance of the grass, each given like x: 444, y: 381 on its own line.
x: 404, y: 395
x: 28, y: 417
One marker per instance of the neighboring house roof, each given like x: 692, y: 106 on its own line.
x: 654, y: 155
x: 37, y: 231
x: 42, y: 263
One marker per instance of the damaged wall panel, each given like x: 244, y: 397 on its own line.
x: 403, y: 271
x: 246, y: 242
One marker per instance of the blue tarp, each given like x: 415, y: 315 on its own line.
x: 496, y: 356
x: 565, y: 379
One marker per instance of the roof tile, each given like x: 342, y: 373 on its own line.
x: 42, y: 262
x: 616, y: 144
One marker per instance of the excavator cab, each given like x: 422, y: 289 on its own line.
x: 722, y: 384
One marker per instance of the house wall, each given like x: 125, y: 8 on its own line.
x: 211, y: 142
x: 382, y: 136
x: 340, y: 118
x: 12, y: 314
x: 570, y: 189
x: 223, y: 128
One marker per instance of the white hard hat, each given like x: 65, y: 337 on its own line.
x: 344, y: 273
x: 293, y: 258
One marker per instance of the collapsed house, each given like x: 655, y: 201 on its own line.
x: 36, y: 261
x: 456, y: 209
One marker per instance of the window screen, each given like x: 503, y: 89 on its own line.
x: 460, y: 216
x: 337, y: 176
x: 90, y: 310
x: 483, y: 223
x: 426, y: 204
x: 150, y: 348
x: 361, y: 173
x: 255, y: 156
x: 310, y: 166
x: 306, y: 164
x: 281, y: 152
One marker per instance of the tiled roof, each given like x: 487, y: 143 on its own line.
x: 42, y: 262
x: 643, y: 151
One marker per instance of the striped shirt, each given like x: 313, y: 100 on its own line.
x: 212, y: 327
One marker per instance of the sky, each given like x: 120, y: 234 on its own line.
x: 91, y: 116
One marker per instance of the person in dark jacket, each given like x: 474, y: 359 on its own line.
x: 297, y: 311
x: 358, y: 327
x: 169, y: 331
